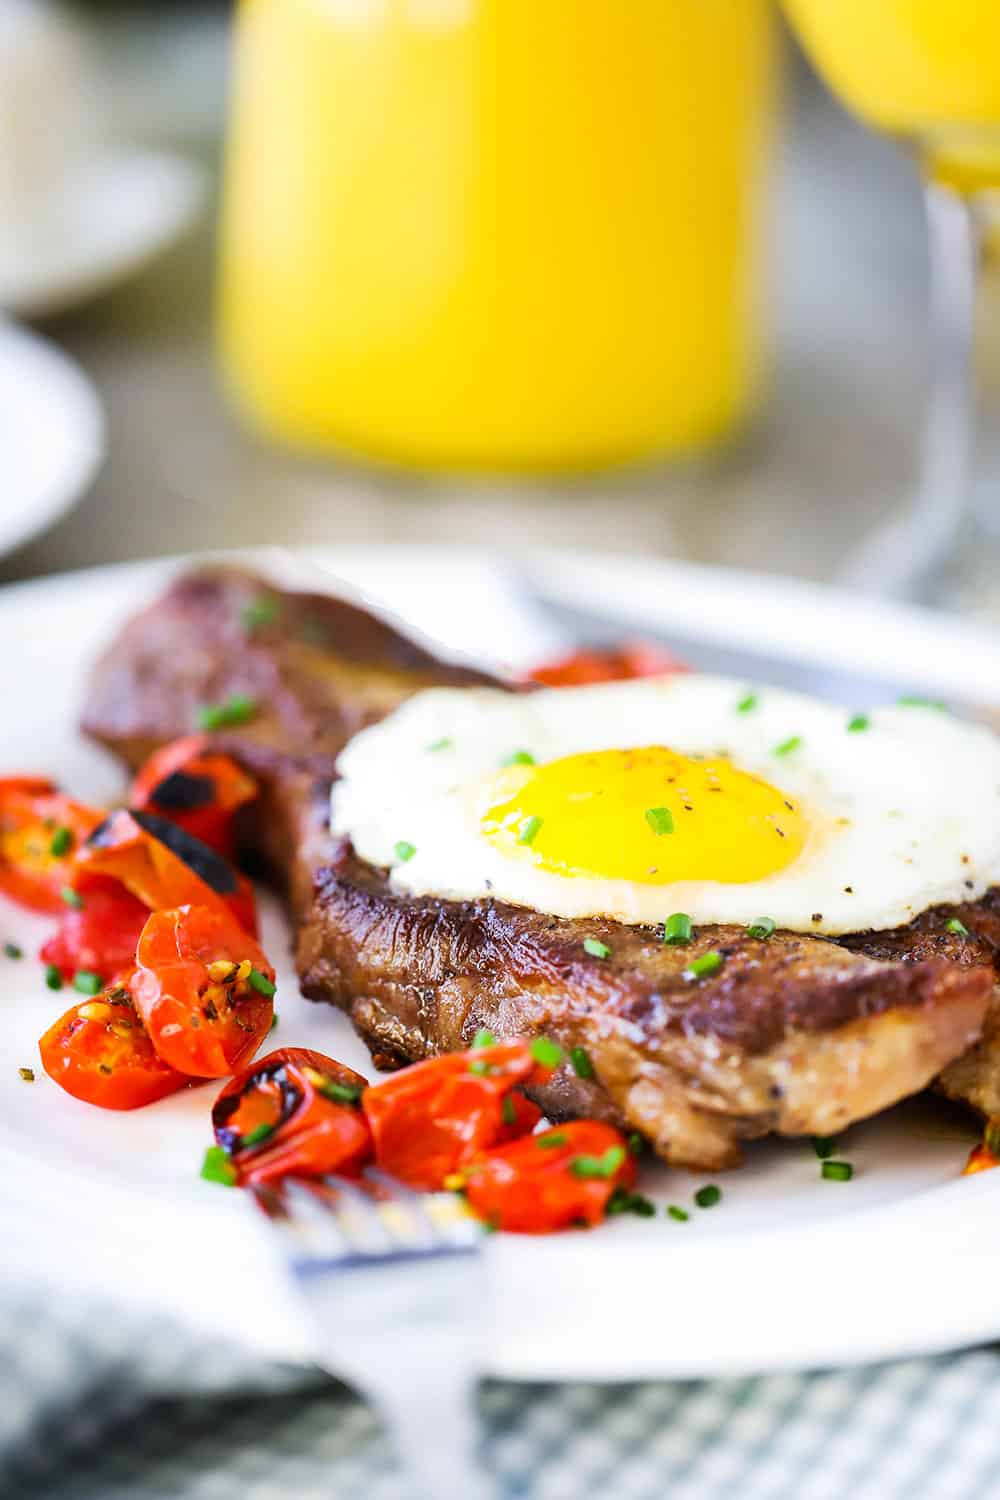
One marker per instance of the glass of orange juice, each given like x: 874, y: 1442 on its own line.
x: 928, y: 72
x: 496, y: 234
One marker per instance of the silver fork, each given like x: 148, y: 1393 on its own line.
x: 392, y: 1280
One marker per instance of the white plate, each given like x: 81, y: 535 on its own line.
x: 51, y: 435
x: 116, y: 211
x: 787, y: 1271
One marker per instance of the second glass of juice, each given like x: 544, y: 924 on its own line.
x: 496, y: 234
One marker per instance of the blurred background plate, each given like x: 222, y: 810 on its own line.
x: 51, y: 435
x: 110, y: 217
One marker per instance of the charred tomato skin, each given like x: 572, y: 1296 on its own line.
x: 294, y: 1112
x: 197, y: 787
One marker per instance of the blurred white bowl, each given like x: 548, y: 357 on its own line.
x: 51, y: 435
x: 76, y: 215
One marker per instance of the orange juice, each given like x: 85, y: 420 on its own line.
x: 496, y: 234
x: 908, y: 65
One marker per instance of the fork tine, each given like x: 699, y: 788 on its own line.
x: 444, y: 1216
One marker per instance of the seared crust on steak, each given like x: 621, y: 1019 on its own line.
x: 796, y: 1034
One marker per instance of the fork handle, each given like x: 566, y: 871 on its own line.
x: 435, y: 1427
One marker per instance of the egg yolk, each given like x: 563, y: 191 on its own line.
x: 647, y: 815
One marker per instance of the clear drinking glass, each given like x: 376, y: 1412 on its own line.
x: 928, y: 73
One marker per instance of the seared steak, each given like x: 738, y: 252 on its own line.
x: 796, y: 1034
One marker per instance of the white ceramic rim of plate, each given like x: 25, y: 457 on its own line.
x: 915, y: 1276
x: 72, y: 411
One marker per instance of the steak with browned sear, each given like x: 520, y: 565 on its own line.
x: 795, y: 1035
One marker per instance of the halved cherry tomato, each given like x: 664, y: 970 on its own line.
x: 100, y: 935
x: 99, y: 1052
x: 294, y: 1112
x: 40, y: 830
x: 552, y: 1180
x: 986, y: 1156
x: 164, y: 866
x: 630, y: 659
x: 431, y: 1119
x: 196, y: 787
x: 203, y: 988
x: 981, y: 1159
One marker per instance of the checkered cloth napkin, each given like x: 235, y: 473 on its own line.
x: 96, y: 1406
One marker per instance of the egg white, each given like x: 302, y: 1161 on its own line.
x: 904, y: 815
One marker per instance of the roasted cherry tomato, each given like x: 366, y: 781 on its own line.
x: 519, y: 1115
x: 164, y: 865
x: 40, y: 831
x: 203, y: 988
x: 196, y: 787
x: 631, y: 659
x: 294, y: 1112
x: 987, y: 1155
x: 100, y: 935
x: 980, y: 1160
x: 99, y: 1052
x: 431, y: 1119
x: 561, y: 1177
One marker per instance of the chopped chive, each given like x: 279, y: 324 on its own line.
x: 837, y: 1171
x: 71, y: 897
x: 481, y: 1067
x: 678, y: 929
x: 596, y: 948
x: 762, y: 927
x: 343, y: 1093
x: 518, y: 758
x: 483, y: 1038
x: 87, y: 982
x: 708, y: 1196
x: 53, y: 978
x: 11, y: 950
x: 258, y: 1134
x: 546, y: 1052
x: 551, y: 1140
x: 274, y: 1021
x: 442, y: 744
x: 529, y: 829
x: 824, y: 1146
x: 217, y: 1167
x: 636, y: 1144
x: 624, y: 1202
x: 787, y: 746
x: 239, y: 708
x: 858, y: 724
x: 260, y: 982
x: 748, y: 704
x: 27, y: 1074
x: 508, y: 1110
x: 605, y: 1165
x: 701, y: 968
x: 916, y: 700
x: 263, y: 610
x: 404, y: 851
x: 660, y: 820
x: 955, y: 925
x: 580, y: 1059
x: 61, y: 842
x: 675, y: 1211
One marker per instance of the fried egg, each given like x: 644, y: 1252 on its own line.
x: 694, y: 794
